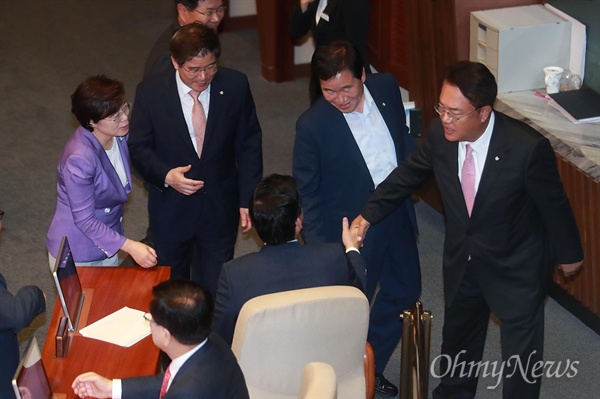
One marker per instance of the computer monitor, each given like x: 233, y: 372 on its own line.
x: 30, y: 380
x: 69, y: 288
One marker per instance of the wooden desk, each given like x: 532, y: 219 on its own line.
x: 577, y: 149
x: 114, y: 287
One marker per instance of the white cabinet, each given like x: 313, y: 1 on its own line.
x: 516, y: 43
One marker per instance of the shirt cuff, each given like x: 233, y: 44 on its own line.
x: 117, y: 389
x: 352, y: 249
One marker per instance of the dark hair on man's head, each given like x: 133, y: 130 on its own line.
x: 189, y: 4
x: 274, y: 209
x: 194, y: 40
x: 96, y: 98
x: 331, y: 59
x: 475, y: 82
x: 183, y: 307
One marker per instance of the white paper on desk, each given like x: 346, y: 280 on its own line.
x: 124, y: 327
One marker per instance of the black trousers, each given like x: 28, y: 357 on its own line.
x: 463, y: 340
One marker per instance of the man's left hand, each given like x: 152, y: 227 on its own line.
x: 245, y: 221
x: 570, y: 268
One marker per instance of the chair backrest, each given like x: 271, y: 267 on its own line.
x: 276, y: 335
x: 318, y: 382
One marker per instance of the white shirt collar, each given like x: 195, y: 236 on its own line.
x: 481, y: 145
x: 184, y: 89
x: 180, y: 360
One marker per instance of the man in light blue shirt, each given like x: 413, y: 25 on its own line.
x: 346, y: 144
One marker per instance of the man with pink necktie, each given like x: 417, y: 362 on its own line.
x: 508, y: 223
x: 196, y: 139
x: 202, y: 366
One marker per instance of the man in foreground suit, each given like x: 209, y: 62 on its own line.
x: 346, y: 144
x: 202, y: 365
x: 283, y: 264
x: 16, y: 313
x: 508, y: 223
x: 195, y: 137
x: 207, y: 12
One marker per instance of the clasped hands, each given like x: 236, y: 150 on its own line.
x: 353, y: 235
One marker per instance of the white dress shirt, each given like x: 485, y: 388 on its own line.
x: 373, y: 138
x: 187, y: 103
x: 117, y: 387
x: 320, y: 9
x: 480, y: 150
x: 114, y: 155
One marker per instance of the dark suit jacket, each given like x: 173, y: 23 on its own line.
x: 16, y: 312
x: 211, y: 372
x: 231, y: 163
x: 159, y: 58
x: 348, y: 20
x: 331, y: 173
x: 279, y: 268
x: 521, y: 222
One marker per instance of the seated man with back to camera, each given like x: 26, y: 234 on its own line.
x: 202, y: 365
x: 283, y: 264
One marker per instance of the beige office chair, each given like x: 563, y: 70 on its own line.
x: 276, y: 335
x: 318, y: 382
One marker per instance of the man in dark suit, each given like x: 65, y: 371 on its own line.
x: 16, y: 312
x: 508, y: 222
x: 207, y: 12
x: 283, y: 264
x: 346, y: 144
x: 202, y: 365
x: 195, y: 137
x: 329, y: 21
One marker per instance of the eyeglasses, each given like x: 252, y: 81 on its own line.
x: 209, y: 13
x: 123, y: 112
x: 148, y: 318
x: 454, y: 118
x: 208, y: 70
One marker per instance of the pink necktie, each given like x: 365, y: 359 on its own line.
x: 198, y: 121
x: 165, y: 383
x: 467, y: 180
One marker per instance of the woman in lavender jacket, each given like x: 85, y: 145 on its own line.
x: 94, y: 180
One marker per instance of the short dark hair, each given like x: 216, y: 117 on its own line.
x: 96, y: 98
x: 194, y: 40
x: 274, y: 209
x: 183, y: 307
x: 475, y: 82
x: 189, y: 4
x: 331, y: 59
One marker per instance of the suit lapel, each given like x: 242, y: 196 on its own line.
x: 172, y: 104
x: 382, y: 102
x: 329, y: 11
x: 122, y: 142
x: 218, y: 94
x: 330, y: 8
x: 448, y: 176
x: 496, y: 156
x: 109, y: 169
x: 341, y: 131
